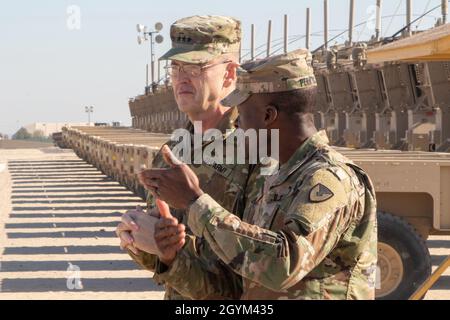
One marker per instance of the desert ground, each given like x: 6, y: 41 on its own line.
x: 57, y: 241
x: 57, y: 221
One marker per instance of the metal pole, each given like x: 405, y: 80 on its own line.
x: 152, y: 59
x: 285, y: 34
x: 444, y: 11
x: 159, y: 71
x: 146, y: 75
x: 240, y: 52
x: 308, y: 28
x: 269, y: 37
x: 408, y: 16
x: 252, y: 42
x: 167, y: 71
x: 325, y: 23
x: 378, y: 25
x: 350, y: 22
x: 89, y: 110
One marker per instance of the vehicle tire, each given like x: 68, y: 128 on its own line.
x: 404, y: 261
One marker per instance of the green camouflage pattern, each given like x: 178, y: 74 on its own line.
x: 225, y: 183
x: 311, y: 233
x: 284, y: 72
x: 197, y: 262
x: 200, y: 39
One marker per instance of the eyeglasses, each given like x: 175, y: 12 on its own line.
x: 193, y: 70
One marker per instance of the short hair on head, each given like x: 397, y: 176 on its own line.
x: 290, y: 102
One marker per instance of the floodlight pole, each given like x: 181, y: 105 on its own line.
x: 152, y: 59
x: 144, y: 30
x: 89, y: 110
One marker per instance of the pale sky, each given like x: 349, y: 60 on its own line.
x: 50, y: 69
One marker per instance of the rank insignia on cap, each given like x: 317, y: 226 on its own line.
x: 320, y: 193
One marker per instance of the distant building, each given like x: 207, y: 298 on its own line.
x: 49, y: 128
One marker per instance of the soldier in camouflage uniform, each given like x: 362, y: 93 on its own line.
x: 311, y: 231
x: 196, y: 42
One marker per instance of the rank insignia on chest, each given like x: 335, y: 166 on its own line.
x: 320, y: 193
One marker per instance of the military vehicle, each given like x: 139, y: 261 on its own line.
x: 390, y: 114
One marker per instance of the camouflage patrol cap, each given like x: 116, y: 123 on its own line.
x: 284, y: 72
x: 199, y: 39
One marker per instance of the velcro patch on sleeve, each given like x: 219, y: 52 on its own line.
x: 320, y: 193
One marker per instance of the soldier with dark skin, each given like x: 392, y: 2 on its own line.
x: 311, y: 231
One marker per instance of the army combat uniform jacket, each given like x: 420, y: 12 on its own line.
x: 310, y: 233
x: 226, y: 184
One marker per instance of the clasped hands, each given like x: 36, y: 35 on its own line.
x: 157, y: 231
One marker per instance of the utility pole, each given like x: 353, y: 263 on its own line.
x: 252, y: 43
x: 444, y: 11
x: 408, y: 17
x: 269, y: 37
x: 89, y: 110
x: 378, y: 23
x: 351, y: 22
x: 144, y: 35
x: 308, y: 28
x: 285, y: 34
x: 325, y: 24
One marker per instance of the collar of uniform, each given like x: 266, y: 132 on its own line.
x: 301, y: 155
x: 228, y: 120
x: 226, y: 123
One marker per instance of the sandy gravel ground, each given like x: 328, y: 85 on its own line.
x: 23, y: 144
x: 58, y: 213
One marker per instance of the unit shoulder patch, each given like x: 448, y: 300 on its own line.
x: 320, y: 193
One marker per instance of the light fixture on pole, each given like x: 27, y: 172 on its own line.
x: 89, y: 110
x: 144, y: 35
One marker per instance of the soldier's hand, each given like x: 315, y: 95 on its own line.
x: 124, y: 229
x: 169, y: 234
x: 137, y: 228
x: 144, y: 237
x: 142, y: 180
x: 170, y: 237
x: 178, y: 186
